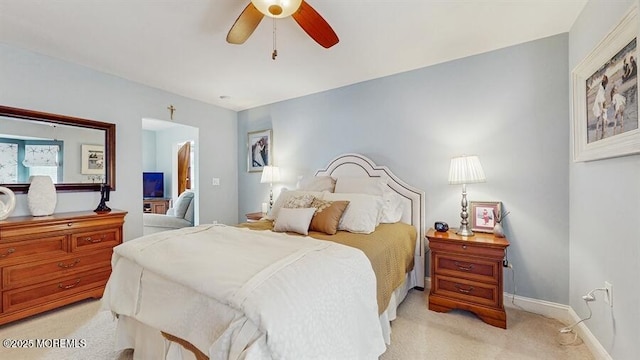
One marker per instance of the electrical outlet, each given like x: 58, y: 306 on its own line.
x: 608, y: 297
x: 215, y: 181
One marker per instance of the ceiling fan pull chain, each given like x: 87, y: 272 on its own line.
x: 275, y: 51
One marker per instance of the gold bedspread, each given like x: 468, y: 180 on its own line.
x: 390, y: 250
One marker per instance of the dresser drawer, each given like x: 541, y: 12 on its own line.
x: 461, y: 289
x: 467, y: 267
x: 30, y: 296
x: 48, y: 247
x: 96, y: 239
x: 41, y: 271
x: 467, y: 249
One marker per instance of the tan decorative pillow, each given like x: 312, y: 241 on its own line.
x: 327, y: 216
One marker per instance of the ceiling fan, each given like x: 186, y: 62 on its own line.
x: 306, y: 16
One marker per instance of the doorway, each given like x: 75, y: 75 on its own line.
x: 171, y: 149
x: 185, y: 166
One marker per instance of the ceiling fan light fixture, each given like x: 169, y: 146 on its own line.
x: 277, y: 8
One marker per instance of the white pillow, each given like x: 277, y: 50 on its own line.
x: 295, y: 220
x: 284, y: 196
x: 392, y: 202
x: 392, y: 207
x: 361, y: 185
x: 317, y: 183
x: 361, y: 216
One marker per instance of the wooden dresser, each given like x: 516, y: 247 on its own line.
x: 50, y: 261
x: 466, y: 273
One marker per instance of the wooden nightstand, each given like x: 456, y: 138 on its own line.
x: 251, y: 217
x: 466, y: 273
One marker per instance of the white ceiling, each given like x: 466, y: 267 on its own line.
x: 179, y: 45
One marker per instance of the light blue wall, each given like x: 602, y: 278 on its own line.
x: 148, y: 150
x: 605, y: 195
x: 509, y: 106
x: 34, y: 81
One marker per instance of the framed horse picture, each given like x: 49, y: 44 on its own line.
x: 259, y: 152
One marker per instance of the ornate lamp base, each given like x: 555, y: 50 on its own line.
x: 465, y: 231
x: 464, y: 223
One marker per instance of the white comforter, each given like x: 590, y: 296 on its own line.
x: 285, y: 297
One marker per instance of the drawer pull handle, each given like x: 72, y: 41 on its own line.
x: 464, y: 247
x: 66, y: 266
x: 9, y: 252
x: 92, y: 240
x: 464, y: 268
x: 69, y: 286
x: 69, y: 224
x: 464, y: 291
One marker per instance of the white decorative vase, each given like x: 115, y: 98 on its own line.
x: 498, y: 231
x: 7, y: 207
x: 41, y: 196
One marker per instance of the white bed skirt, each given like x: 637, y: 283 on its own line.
x: 148, y: 342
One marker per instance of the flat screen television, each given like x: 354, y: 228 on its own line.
x: 153, y: 184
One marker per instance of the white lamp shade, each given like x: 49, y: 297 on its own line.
x: 270, y: 174
x: 466, y: 170
x: 277, y: 8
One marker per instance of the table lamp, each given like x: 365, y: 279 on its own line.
x: 270, y: 174
x: 465, y: 170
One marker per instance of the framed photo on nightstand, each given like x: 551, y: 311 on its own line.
x: 483, y: 215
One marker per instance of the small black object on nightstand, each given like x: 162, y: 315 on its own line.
x: 441, y: 226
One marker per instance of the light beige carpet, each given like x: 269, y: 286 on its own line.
x: 417, y: 334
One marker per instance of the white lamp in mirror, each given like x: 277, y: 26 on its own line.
x: 465, y: 170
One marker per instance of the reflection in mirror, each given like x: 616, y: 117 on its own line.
x: 77, y: 154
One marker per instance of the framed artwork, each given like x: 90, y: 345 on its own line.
x: 92, y: 159
x: 605, y: 96
x: 259, y: 152
x: 483, y: 215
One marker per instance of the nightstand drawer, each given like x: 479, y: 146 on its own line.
x: 467, y: 267
x: 467, y: 248
x: 478, y: 293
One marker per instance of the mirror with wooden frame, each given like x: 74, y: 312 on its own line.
x: 78, y: 154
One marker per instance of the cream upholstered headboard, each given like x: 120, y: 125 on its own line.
x: 356, y: 165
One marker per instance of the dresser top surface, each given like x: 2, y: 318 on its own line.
x: 480, y: 239
x: 76, y: 215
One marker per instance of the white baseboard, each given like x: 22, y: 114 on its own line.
x: 541, y: 307
x: 562, y: 313
x: 598, y: 351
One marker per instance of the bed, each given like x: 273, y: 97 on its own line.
x: 247, y: 292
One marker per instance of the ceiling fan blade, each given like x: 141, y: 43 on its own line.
x: 315, y: 26
x: 245, y: 24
